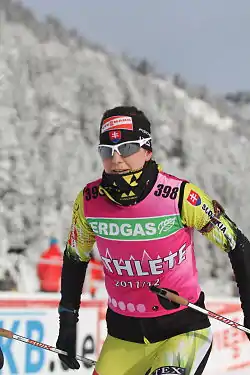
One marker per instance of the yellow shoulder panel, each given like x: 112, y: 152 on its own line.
x: 201, y: 212
x: 81, y: 238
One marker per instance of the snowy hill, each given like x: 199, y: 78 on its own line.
x: 54, y: 86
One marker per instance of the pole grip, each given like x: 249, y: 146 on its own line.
x: 177, y: 299
x: 6, y: 333
x: 162, y: 292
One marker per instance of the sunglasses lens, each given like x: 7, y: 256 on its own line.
x: 105, y: 152
x: 128, y: 149
x: 125, y: 150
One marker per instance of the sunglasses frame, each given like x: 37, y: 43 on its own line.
x: 114, y: 148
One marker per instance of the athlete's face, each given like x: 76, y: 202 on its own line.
x: 119, y: 164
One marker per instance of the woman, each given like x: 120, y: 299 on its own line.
x: 142, y: 220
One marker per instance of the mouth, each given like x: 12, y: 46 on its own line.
x: 119, y: 171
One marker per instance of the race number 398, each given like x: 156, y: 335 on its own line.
x: 166, y: 191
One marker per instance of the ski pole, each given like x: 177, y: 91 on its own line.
x: 162, y: 292
x: 11, y: 335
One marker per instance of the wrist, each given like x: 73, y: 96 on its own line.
x: 62, y: 309
x: 67, y: 316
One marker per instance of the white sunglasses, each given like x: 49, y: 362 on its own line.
x: 124, y: 149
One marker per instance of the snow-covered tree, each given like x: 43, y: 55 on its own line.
x: 54, y: 87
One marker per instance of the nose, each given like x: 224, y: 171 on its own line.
x: 116, y: 158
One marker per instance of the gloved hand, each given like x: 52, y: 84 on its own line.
x: 67, y: 339
x: 1, y: 359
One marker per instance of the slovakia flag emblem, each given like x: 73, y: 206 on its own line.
x: 194, y: 199
x: 115, y: 136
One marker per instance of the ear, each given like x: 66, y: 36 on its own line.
x: 148, y: 155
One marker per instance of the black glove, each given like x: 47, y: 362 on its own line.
x: 67, y: 339
x: 1, y: 359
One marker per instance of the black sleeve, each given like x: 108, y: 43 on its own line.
x: 181, y: 195
x: 72, y: 279
x: 240, y: 261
